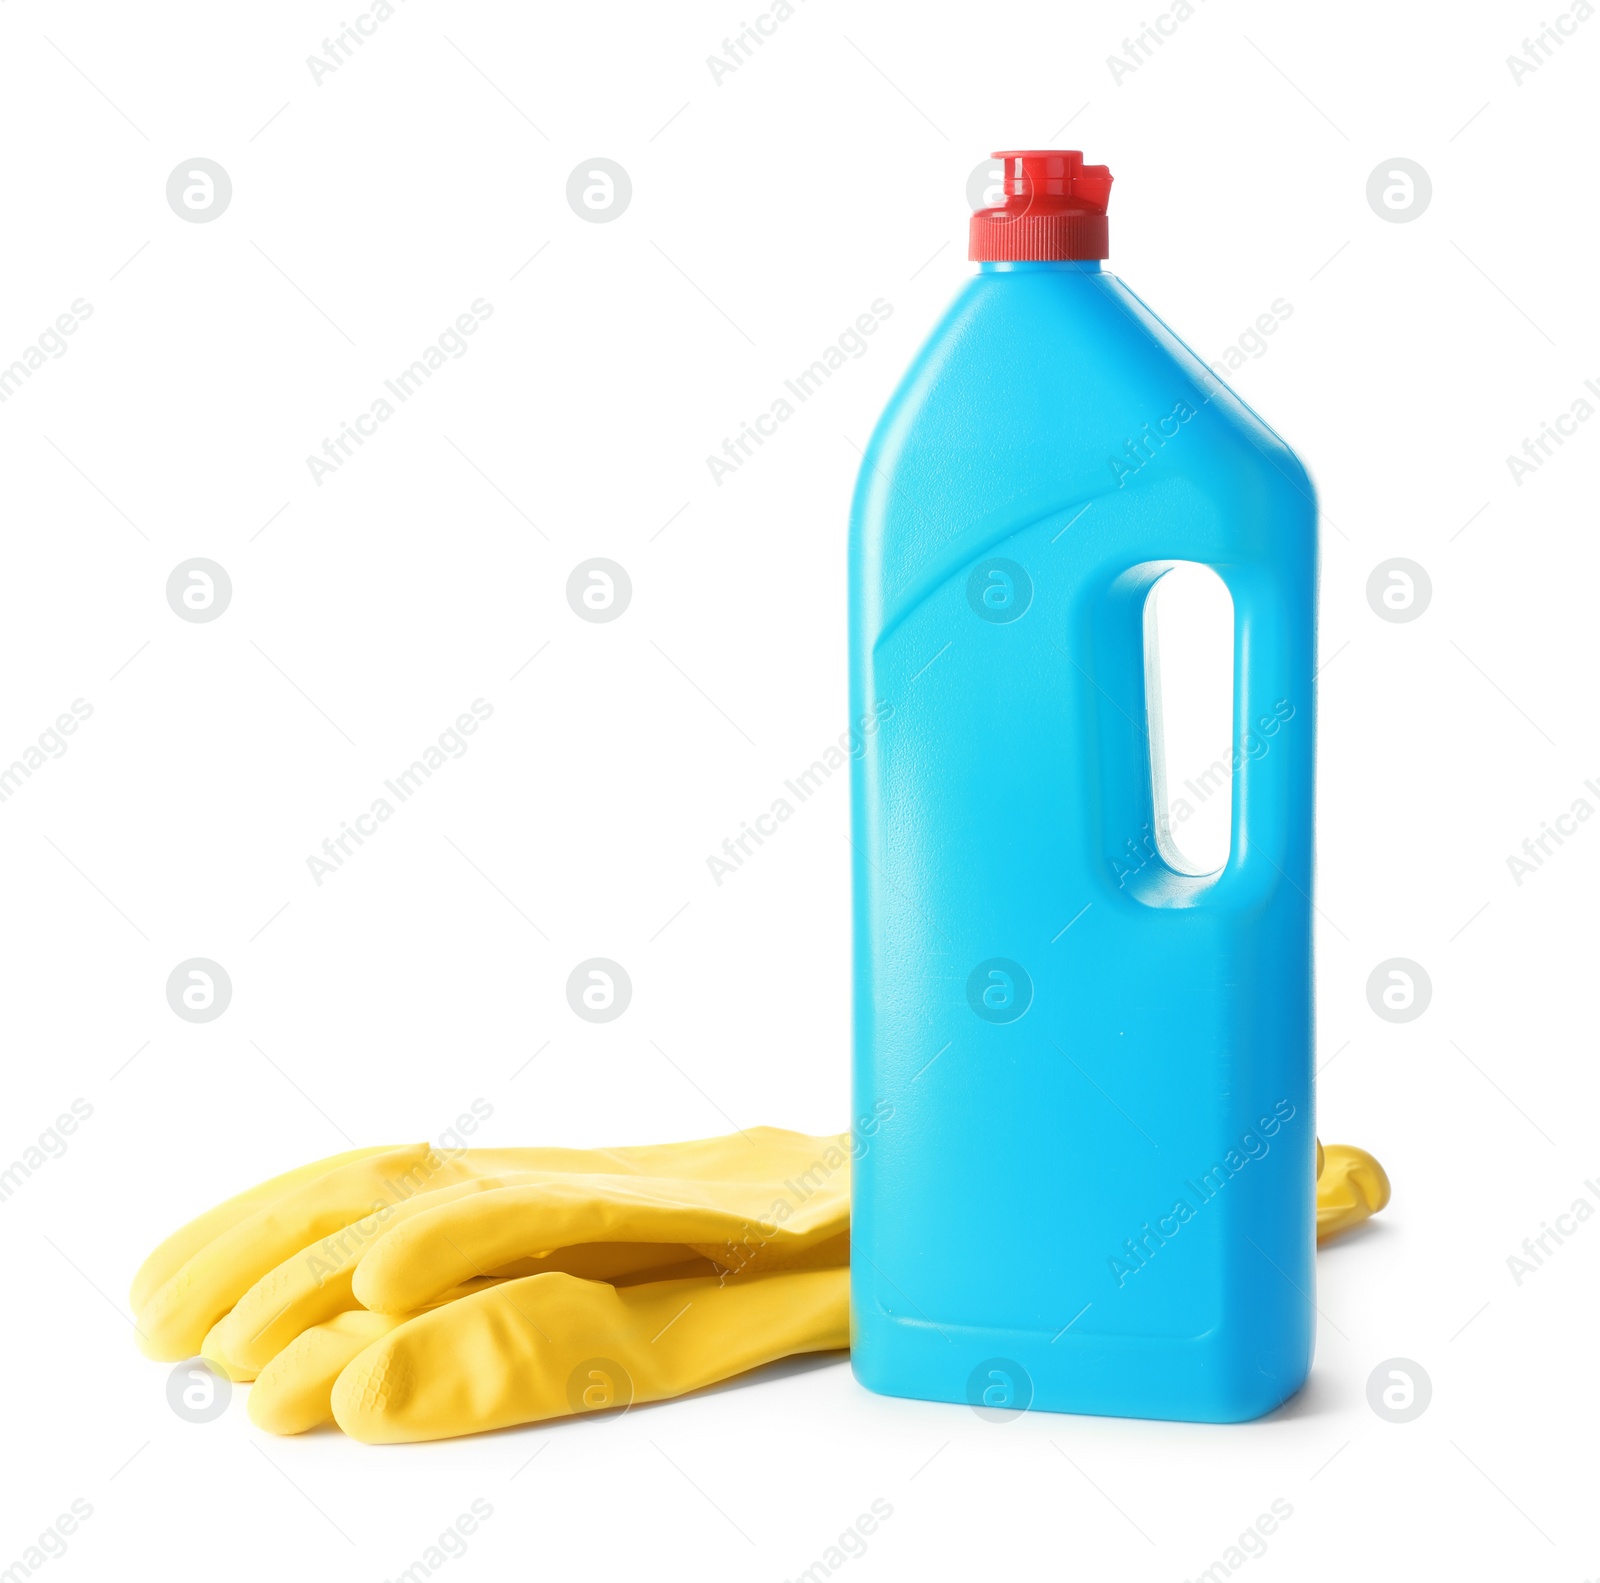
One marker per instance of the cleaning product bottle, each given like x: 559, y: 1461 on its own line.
x: 1088, y: 1181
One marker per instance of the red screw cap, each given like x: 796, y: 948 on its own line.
x: 1054, y: 208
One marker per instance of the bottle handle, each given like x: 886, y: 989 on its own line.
x: 1274, y: 711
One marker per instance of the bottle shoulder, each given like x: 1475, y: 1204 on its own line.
x: 1063, y: 412
x: 1057, y: 381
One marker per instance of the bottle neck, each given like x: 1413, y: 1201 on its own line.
x: 1075, y: 266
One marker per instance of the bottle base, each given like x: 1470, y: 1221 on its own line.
x: 1224, y: 1376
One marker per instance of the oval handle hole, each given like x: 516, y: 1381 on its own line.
x: 1188, y: 675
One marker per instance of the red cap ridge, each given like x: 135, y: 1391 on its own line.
x: 1054, y: 208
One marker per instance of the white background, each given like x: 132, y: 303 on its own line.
x: 370, y: 610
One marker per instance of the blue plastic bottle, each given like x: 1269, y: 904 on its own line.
x: 1083, y: 1079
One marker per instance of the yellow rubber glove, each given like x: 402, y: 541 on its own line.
x: 1351, y: 1187
x: 411, y: 1264
x: 552, y: 1345
x: 313, y: 1284
x: 188, y: 1240
x: 302, y: 1232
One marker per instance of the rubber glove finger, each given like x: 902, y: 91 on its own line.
x: 214, y: 1349
x: 314, y: 1284
x: 1352, y: 1187
x: 253, y: 1332
x: 293, y: 1393
x: 553, y: 1345
x: 174, y: 1322
x: 188, y: 1240
x: 410, y: 1265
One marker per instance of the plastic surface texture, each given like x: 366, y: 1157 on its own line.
x: 1083, y: 1081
